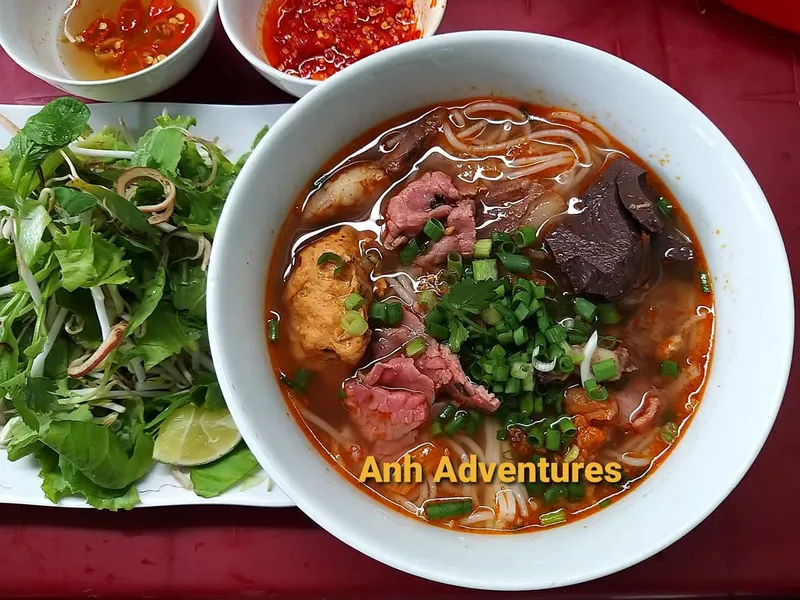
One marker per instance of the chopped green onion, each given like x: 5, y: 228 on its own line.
x: 436, y: 428
x: 566, y: 364
x: 409, y: 252
x: 331, y: 257
x: 301, y: 379
x: 520, y: 336
x: 458, y: 422
x: 501, y: 373
x: 521, y: 312
x: 353, y: 302
x: 609, y: 342
x: 490, y: 316
x: 539, y: 292
x: 377, y: 311
x: 354, y: 324
x: 521, y: 370
x: 502, y: 434
x: 341, y: 393
x: 553, y: 518
x: 476, y: 370
x: 525, y: 237
x: 429, y: 299
x: 536, y: 437
x: 272, y: 325
x: 605, y: 369
x: 604, y: 503
x: 484, y: 269
x: 555, y: 492
x: 668, y: 432
x: 455, y: 264
x: 498, y: 237
x: 447, y: 412
x: 552, y: 440
x: 505, y: 338
x: 664, y: 206
x: 483, y: 248
x: 515, y: 263
x: 538, y: 404
x: 522, y: 296
x: 394, y: 313
x: 497, y: 351
x: 669, y: 368
x: 543, y: 320
x: 608, y: 314
x: 576, y: 491
x: 567, y: 427
x: 507, y: 248
x: 595, y: 392
x: 705, y: 282
x: 526, y: 402
x: 416, y: 347
x: 572, y: 454
x: 436, y: 510
x: 556, y: 334
x: 434, y: 229
x: 439, y: 332
x: 584, y: 308
x: 512, y: 386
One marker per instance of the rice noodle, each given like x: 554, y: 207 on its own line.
x: 583, y: 153
x: 481, y: 107
x: 457, y: 119
x: 506, y: 506
x: 481, y: 515
x: 472, y: 131
x: 534, y: 160
x: 458, y: 449
x: 323, y: 425
x: 402, y: 289
x: 595, y: 131
x: 565, y: 115
x: 634, y: 461
x: 472, y: 445
x: 431, y: 486
x: 543, y: 166
x: 523, y: 506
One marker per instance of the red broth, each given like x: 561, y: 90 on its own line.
x: 669, y: 318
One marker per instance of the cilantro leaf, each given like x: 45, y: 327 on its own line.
x: 469, y: 296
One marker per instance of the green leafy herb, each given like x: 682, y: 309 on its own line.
x: 218, y: 477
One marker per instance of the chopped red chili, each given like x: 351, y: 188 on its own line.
x: 315, y: 39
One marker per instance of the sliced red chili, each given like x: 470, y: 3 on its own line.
x: 99, y: 30
x: 131, y: 15
x: 139, y: 58
x: 169, y: 32
x: 110, y: 50
x: 161, y: 7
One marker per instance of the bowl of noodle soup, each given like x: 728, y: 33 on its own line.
x: 463, y: 127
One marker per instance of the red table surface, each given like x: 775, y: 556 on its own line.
x: 744, y: 76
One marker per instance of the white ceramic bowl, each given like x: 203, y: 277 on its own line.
x: 732, y: 219
x: 242, y: 22
x: 29, y: 30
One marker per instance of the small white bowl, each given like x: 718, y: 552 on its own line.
x: 29, y: 30
x: 723, y: 201
x: 242, y: 20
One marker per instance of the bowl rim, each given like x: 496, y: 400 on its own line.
x: 261, y: 64
x: 205, y: 23
x: 365, y: 543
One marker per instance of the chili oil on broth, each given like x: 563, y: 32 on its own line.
x: 672, y: 305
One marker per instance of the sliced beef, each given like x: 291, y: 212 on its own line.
x: 388, y: 340
x: 438, y: 364
x: 416, y: 139
x: 392, y: 400
x: 430, y: 196
x: 495, y: 193
x: 444, y: 368
x: 600, y: 250
x: 461, y: 225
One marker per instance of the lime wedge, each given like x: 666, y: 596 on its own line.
x: 193, y: 435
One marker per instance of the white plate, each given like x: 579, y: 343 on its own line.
x: 236, y: 126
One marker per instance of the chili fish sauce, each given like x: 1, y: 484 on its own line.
x: 314, y: 39
x: 111, y: 38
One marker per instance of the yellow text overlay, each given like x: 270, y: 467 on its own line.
x: 409, y: 471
